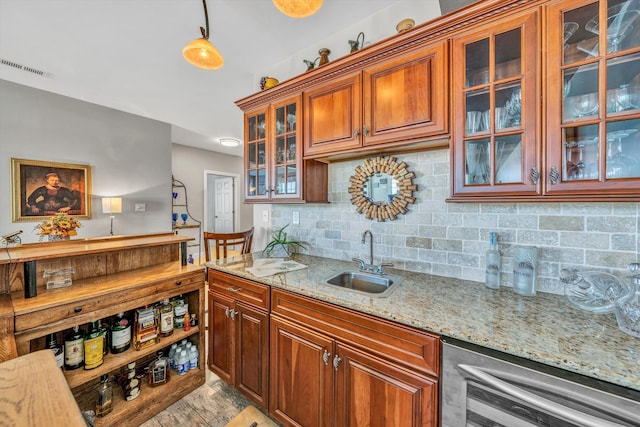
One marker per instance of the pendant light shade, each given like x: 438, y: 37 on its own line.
x: 298, y: 8
x: 200, y: 52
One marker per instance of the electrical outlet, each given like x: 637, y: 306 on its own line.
x: 265, y: 216
x: 296, y: 217
x: 140, y: 207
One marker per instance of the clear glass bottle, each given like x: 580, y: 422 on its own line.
x: 57, y: 349
x: 166, y: 318
x: 180, y: 307
x: 492, y: 275
x: 525, y: 270
x: 146, y: 328
x: 74, y: 349
x: 120, y: 334
x: 93, y: 342
x: 159, y: 370
x: 104, y: 401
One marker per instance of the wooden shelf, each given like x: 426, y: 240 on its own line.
x: 77, y: 377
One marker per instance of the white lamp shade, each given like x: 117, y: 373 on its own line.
x: 111, y: 205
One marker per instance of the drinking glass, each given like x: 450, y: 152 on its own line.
x: 586, y: 105
x: 473, y: 121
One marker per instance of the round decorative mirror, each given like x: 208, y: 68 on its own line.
x: 382, y: 188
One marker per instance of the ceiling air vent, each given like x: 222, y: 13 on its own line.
x: 23, y: 67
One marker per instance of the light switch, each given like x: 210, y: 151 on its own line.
x: 296, y: 217
x: 265, y: 216
x: 140, y: 207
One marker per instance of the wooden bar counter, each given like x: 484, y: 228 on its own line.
x: 35, y: 393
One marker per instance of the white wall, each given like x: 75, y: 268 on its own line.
x: 130, y: 156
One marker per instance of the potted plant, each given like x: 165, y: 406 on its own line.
x: 281, y: 246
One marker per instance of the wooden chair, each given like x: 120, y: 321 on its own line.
x: 227, y: 244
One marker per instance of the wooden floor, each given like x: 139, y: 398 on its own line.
x: 213, y: 404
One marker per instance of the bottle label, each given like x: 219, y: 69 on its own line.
x: 121, y: 338
x: 179, y: 310
x: 73, y: 352
x: 93, y: 352
x: 59, y: 356
x: 166, y: 322
x: 193, y: 362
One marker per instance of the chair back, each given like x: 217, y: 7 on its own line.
x: 227, y: 244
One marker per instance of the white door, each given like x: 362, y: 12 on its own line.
x: 224, y: 205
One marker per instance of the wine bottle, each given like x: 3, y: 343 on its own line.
x: 166, y: 318
x: 74, y: 349
x: 492, y: 276
x: 120, y: 334
x: 57, y: 349
x: 104, y: 401
x: 93, y: 342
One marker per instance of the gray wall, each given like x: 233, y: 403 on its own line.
x: 450, y: 239
x: 130, y: 156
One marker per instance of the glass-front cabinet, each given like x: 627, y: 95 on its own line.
x: 495, y: 143
x: 593, y: 114
x: 273, y: 152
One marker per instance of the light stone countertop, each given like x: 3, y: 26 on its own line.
x: 545, y: 328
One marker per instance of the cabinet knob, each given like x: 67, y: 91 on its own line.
x: 77, y: 309
x: 365, y: 131
x: 534, y: 175
x: 226, y: 312
x: 336, y: 362
x: 356, y: 132
x: 554, y: 174
x: 325, y: 357
x: 178, y: 282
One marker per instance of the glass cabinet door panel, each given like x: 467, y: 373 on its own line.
x: 581, y: 148
x: 508, y: 56
x: 477, y: 162
x: 477, y: 63
x: 262, y: 182
x: 581, y: 87
x: 291, y: 117
x: 261, y: 154
x: 252, y: 155
x: 280, y: 150
x: 281, y: 179
x: 291, y: 148
x: 253, y: 128
x: 578, y: 43
x: 623, y: 85
x: 508, y: 159
x: 508, y: 110
x: 252, y: 187
x: 622, y: 22
x: 262, y: 123
x: 280, y: 123
x: 292, y: 184
x: 477, y: 112
x: 623, y: 149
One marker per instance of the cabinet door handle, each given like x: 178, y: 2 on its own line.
x: 178, y: 282
x: 226, y: 312
x: 365, y: 131
x: 77, y: 309
x: 554, y: 175
x: 232, y: 289
x: 233, y: 314
x: 336, y: 362
x: 534, y: 175
x: 356, y: 132
x: 325, y: 357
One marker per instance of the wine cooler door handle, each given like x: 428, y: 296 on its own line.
x: 561, y: 411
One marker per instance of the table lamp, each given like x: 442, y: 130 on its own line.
x: 111, y: 205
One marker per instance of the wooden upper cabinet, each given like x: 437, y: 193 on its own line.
x: 332, y: 116
x: 406, y: 98
x: 396, y: 101
x: 495, y: 149
x: 256, y: 155
x: 593, y: 109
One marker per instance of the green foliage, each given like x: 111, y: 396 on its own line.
x: 279, y: 238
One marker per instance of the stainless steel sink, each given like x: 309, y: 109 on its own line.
x: 366, y: 283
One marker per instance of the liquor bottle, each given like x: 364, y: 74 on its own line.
x: 159, y: 370
x: 166, y: 318
x: 74, y: 349
x: 120, y: 334
x: 93, y: 343
x: 104, y: 401
x: 145, y: 328
x: 106, y: 337
x: 492, y: 277
x: 180, y: 307
x: 57, y: 349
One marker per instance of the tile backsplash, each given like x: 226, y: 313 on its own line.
x: 450, y: 239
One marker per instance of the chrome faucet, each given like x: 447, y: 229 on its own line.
x: 370, y: 267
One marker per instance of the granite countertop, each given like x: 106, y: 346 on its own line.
x: 545, y: 328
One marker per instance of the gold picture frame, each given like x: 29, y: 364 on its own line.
x: 40, y: 189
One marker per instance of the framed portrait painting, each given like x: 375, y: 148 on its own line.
x: 40, y: 189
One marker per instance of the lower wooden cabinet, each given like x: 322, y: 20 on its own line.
x: 238, y: 341
x: 322, y: 378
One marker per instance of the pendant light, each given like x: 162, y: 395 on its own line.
x: 200, y: 52
x: 298, y: 8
